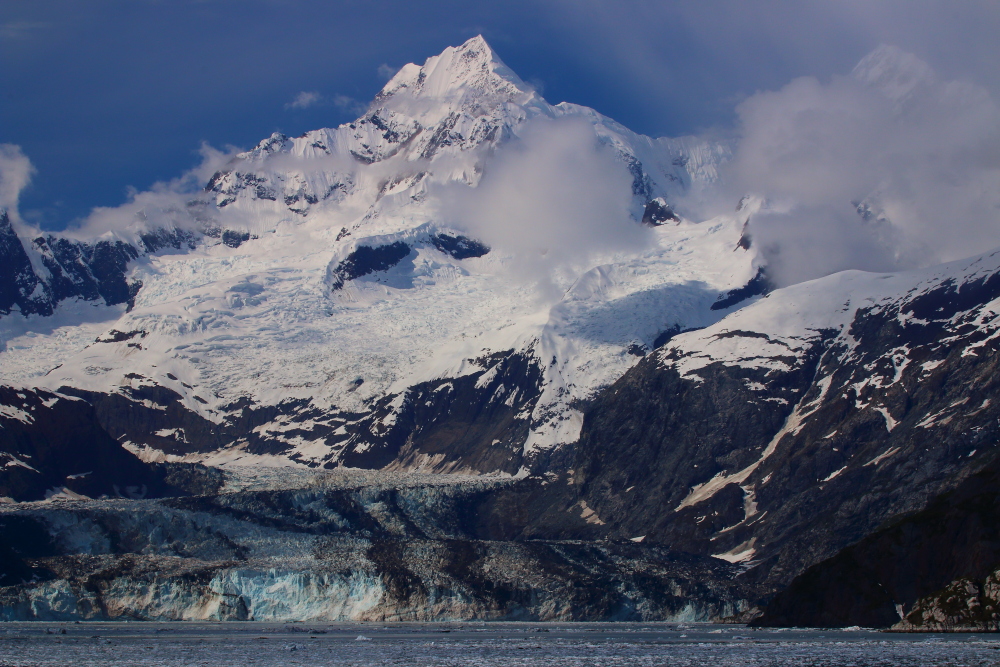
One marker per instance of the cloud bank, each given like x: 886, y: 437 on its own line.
x: 164, y: 205
x: 553, y: 197
x: 15, y: 174
x: 348, y: 104
x: 20, y: 29
x: 888, y: 168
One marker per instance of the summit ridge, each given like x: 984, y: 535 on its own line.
x: 472, y: 68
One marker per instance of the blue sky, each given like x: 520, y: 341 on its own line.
x: 107, y: 95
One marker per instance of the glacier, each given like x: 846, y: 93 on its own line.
x: 245, y: 308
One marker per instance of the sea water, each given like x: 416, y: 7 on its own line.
x: 479, y: 644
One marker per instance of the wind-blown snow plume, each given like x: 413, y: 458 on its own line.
x: 552, y: 197
x: 15, y: 174
x: 888, y: 168
x: 304, y: 100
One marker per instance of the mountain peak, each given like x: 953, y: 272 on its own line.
x: 477, y: 46
x: 896, y: 73
x: 470, y: 70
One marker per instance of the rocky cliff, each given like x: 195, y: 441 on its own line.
x: 931, y: 570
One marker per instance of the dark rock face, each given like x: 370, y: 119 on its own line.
x: 473, y: 422
x: 666, y: 335
x: 366, y: 260
x: 227, y: 185
x: 90, y: 271
x: 51, y: 442
x: 477, y: 422
x: 73, y: 269
x: 964, y: 605
x: 758, y: 286
x: 459, y: 247
x: 240, y: 179
x: 18, y: 281
x: 161, y: 239
x: 235, y: 239
x: 444, y: 135
x: 394, y: 134
x: 937, y: 565
x: 653, y: 435
x: 658, y: 212
x: 746, y: 239
x: 115, y: 336
x: 230, y: 237
x: 908, y: 414
x: 138, y: 411
x: 642, y: 185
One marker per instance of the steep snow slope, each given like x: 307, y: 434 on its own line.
x: 321, y: 287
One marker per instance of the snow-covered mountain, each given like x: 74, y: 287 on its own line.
x: 468, y: 279
x: 322, y: 303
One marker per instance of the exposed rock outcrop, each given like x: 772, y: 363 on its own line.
x: 53, y: 444
x: 932, y: 570
x: 962, y: 606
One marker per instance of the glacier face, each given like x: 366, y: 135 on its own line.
x: 334, y: 547
x: 297, y: 310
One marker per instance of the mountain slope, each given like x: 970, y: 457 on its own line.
x: 322, y: 292
x: 799, y: 424
x: 911, y: 572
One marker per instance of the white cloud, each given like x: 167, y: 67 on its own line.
x: 15, y: 174
x: 304, y: 100
x: 920, y: 154
x: 349, y: 105
x: 386, y: 72
x: 308, y: 99
x: 553, y: 197
x: 166, y: 204
x: 20, y: 29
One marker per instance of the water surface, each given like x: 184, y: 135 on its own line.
x: 479, y: 644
